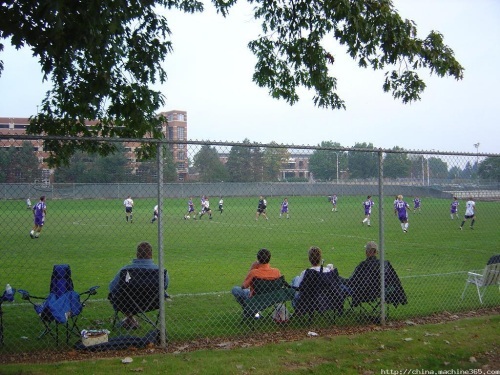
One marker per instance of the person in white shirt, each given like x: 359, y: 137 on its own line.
x: 155, y: 214
x: 221, y: 205
x: 470, y: 213
x: 129, y: 205
x: 206, y: 208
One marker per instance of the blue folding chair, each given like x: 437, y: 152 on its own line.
x: 7, y: 297
x: 62, y: 306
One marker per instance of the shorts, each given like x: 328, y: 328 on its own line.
x: 128, y: 210
x: 39, y: 221
x: 469, y: 216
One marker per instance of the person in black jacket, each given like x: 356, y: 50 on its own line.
x: 364, y: 284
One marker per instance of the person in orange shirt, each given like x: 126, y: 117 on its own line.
x: 260, y: 269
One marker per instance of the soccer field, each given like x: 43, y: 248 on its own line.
x: 206, y: 258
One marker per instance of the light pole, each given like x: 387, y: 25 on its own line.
x: 428, y: 174
x: 337, y: 155
x: 476, y: 145
x: 423, y: 174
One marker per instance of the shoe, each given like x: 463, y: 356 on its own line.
x: 460, y: 228
x: 405, y: 231
x: 471, y: 228
x: 369, y: 225
x: 31, y: 235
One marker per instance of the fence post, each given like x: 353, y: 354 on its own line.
x: 163, y: 338
x: 381, y: 236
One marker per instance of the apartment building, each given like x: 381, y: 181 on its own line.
x: 175, y: 129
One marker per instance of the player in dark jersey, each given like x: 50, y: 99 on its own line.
x: 261, y: 208
x: 39, y: 213
x: 400, y: 209
x: 367, y: 204
x: 284, y: 208
x: 454, y: 208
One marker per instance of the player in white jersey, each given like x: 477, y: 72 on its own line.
x: 129, y: 205
x: 334, y: 203
x: 206, y: 208
x: 155, y: 214
x: 221, y: 205
x: 470, y: 213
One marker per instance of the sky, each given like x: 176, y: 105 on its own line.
x: 210, y: 77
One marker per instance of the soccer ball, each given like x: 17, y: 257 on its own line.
x: 188, y: 217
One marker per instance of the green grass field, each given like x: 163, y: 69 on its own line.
x: 206, y: 258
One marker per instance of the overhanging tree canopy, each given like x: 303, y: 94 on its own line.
x: 102, y: 55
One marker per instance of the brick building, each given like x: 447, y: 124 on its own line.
x: 175, y: 130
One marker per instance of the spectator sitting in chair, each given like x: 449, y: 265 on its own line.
x: 363, y: 269
x: 144, y: 260
x: 364, y: 284
x: 260, y: 269
x: 315, y: 258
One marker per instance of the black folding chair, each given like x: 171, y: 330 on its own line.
x: 137, y: 293
x: 365, y: 288
x: 320, y: 292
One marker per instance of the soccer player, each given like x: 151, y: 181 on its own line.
x: 470, y: 213
x: 261, y: 208
x: 454, y: 208
x: 221, y: 205
x: 400, y: 209
x: 334, y: 203
x: 129, y: 204
x: 190, y: 209
x: 39, y: 213
x: 206, y: 208
x: 416, y: 204
x: 368, y: 204
x: 284, y: 208
x: 28, y: 204
x: 155, y: 214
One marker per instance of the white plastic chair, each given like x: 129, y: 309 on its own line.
x: 490, y: 276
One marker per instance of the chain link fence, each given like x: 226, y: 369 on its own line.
x: 333, y: 221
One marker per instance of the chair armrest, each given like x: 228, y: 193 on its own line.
x: 474, y: 274
x: 24, y: 294
x: 91, y: 291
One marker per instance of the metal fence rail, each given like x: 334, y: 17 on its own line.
x: 425, y: 265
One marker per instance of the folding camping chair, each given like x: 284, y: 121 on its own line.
x: 62, y: 306
x: 489, y: 277
x: 320, y: 292
x: 137, y: 293
x: 267, y: 293
x: 365, y: 288
x: 7, y: 297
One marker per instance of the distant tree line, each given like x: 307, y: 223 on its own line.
x: 247, y: 162
x: 250, y: 163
